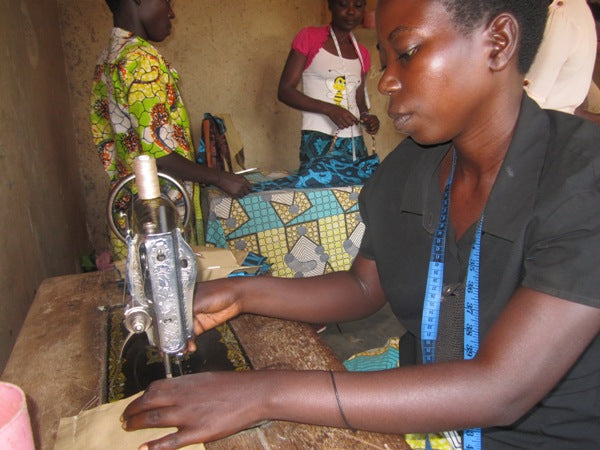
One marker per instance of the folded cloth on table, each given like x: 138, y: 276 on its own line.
x: 100, y: 428
x: 255, y: 260
x: 214, y: 262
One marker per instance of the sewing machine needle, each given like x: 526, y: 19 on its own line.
x: 167, y: 361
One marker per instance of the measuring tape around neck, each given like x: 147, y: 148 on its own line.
x: 345, y: 73
x: 433, y: 297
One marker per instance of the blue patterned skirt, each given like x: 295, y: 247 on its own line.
x: 314, y: 144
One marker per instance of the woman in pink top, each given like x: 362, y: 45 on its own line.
x: 332, y: 66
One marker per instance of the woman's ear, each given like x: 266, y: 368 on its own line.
x: 503, y: 35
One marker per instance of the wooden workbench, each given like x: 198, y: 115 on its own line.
x: 59, y: 360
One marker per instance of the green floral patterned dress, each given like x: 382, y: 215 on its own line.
x: 136, y: 108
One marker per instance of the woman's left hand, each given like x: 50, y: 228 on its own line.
x: 204, y: 407
x: 370, y: 122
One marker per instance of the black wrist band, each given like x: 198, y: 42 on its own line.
x: 337, y: 397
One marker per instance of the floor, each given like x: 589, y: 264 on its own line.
x: 348, y: 338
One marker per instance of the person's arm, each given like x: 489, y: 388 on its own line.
x: 550, y: 58
x: 370, y: 121
x: 517, y: 365
x: 582, y: 111
x: 335, y: 297
x: 289, y: 94
x: 592, y: 117
x: 184, y: 169
x: 102, y: 131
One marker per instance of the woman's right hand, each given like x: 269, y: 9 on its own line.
x: 214, y: 303
x: 340, y: 116
x: 202, y: 406
x: 233, y: 184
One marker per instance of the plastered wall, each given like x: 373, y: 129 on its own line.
x: 42, y: 221
x: 229, y: 54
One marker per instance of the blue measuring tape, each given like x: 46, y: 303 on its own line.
x: 433, y: 297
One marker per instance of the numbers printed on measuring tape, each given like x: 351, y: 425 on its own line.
x: 433, y: 296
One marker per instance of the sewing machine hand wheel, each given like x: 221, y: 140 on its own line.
x: 120, y: 202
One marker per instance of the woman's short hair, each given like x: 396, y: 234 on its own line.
x: 530, y: 14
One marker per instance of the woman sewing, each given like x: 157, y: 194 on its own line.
x: 482, y: 232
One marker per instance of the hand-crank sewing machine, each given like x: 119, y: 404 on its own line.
x: 161, y: 266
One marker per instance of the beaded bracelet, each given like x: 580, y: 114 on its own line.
x: 337, y: 397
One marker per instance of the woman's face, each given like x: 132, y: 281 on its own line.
x: 347, y: 14
x: 156, y: 16
x: 432, y: 73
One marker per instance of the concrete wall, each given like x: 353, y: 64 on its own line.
x: 229, y: 54
x: 42, y: 225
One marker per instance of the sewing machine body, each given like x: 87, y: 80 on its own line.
x: 161, y: 267
x: 161, y: 273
